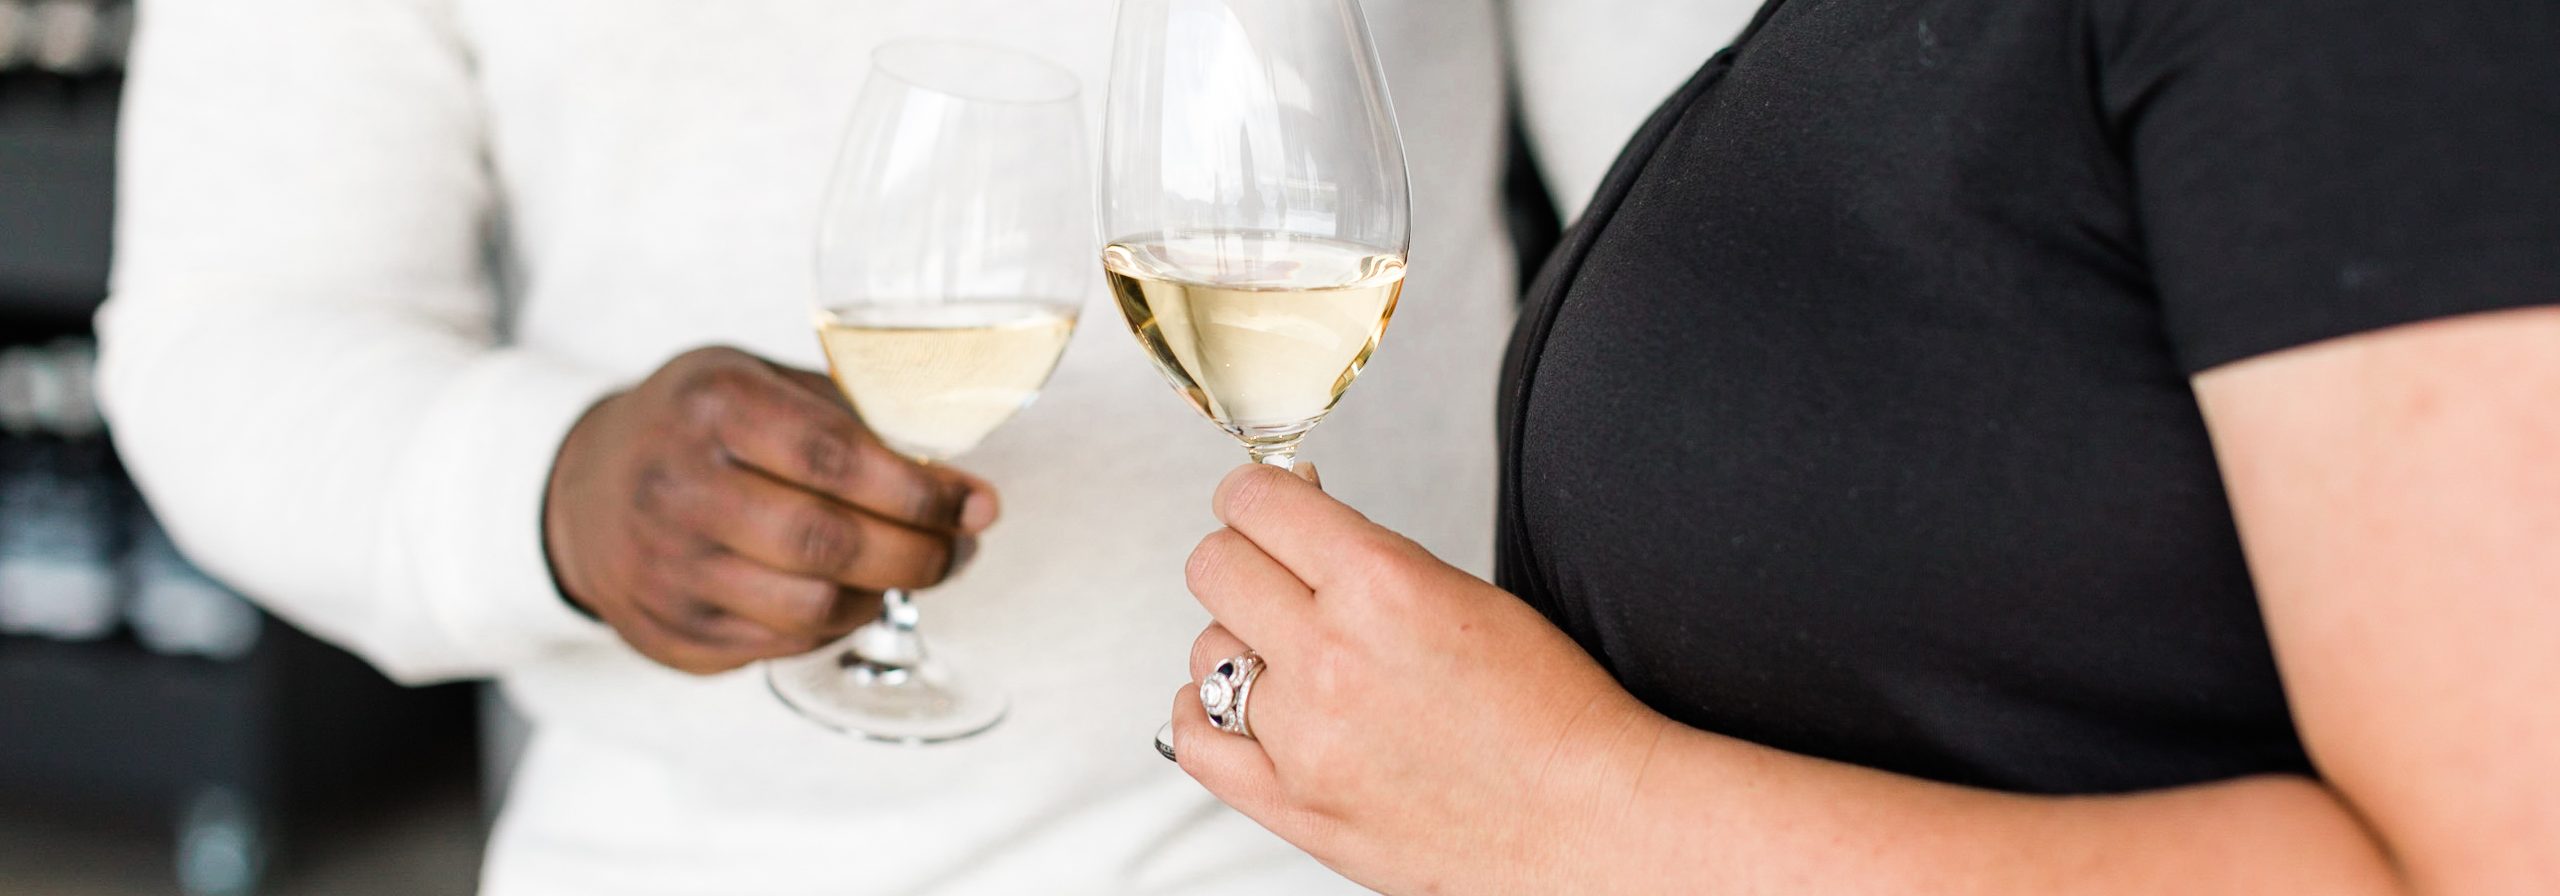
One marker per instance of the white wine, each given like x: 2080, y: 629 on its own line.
x: 1261, y: 332
x: 934, y: 379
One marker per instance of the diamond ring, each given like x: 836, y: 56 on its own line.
x: 1226, y: 688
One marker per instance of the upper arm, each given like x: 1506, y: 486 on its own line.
x: 2398, y: 493
x: 317, y: 151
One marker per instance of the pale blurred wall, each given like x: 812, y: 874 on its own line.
x: 1592, y: 71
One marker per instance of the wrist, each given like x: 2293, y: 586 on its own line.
x: 1586, y: 828
x: 558, y: 553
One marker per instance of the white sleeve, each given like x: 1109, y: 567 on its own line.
x: 300, y: 358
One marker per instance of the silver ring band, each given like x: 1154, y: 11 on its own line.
x: 1226, y: 689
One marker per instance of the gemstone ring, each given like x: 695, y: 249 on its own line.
x: 1226, y: 688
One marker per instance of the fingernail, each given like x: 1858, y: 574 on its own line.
x: 962, y: 549
x: 979, y: 511
x: 1307, y: 471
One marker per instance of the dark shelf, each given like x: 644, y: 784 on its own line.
x: 288, y: 742
x: 293, y: 725
x: 57, y: 195
x: 111, y: 722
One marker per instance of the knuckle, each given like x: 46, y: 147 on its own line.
x: 704, y: 398
x: 1205, y: 570
x: 1247, y: 491
x: 829, y: 457
x: 657, y: 488
x: 822, y: 540
x: 1379, y: 564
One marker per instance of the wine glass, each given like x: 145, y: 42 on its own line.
x: 1254, y: 208
x: 951, y: 264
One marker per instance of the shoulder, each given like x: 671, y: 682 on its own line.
x: 2165, y: 37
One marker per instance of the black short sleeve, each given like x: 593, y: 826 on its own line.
x: 2306, y: 169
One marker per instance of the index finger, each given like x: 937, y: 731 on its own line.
x: 1295, y: 522
x: 805, y: 439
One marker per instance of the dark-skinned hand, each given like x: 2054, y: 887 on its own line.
x: 729, y: 509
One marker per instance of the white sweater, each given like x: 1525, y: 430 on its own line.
x: 376, y: 256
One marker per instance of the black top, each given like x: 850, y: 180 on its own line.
x: 1855, y: 417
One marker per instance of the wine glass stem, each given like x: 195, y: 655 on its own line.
x: 890, y: 642
x: 898, y: 611
x: 1283, y: 456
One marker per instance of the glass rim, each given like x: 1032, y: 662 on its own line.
x: 1062, y: 84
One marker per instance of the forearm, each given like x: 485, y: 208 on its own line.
x: 1710, y: 814
x: 354, y: 471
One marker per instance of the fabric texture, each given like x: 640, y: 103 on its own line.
x: 1855, y: 419
x: 376, y: 256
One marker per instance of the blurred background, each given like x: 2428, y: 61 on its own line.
x: 157, y: 733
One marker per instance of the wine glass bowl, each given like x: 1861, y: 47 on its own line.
x: 1262, y: 345
x: 1255, y: 207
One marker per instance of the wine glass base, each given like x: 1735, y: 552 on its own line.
x: 923, y: 703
